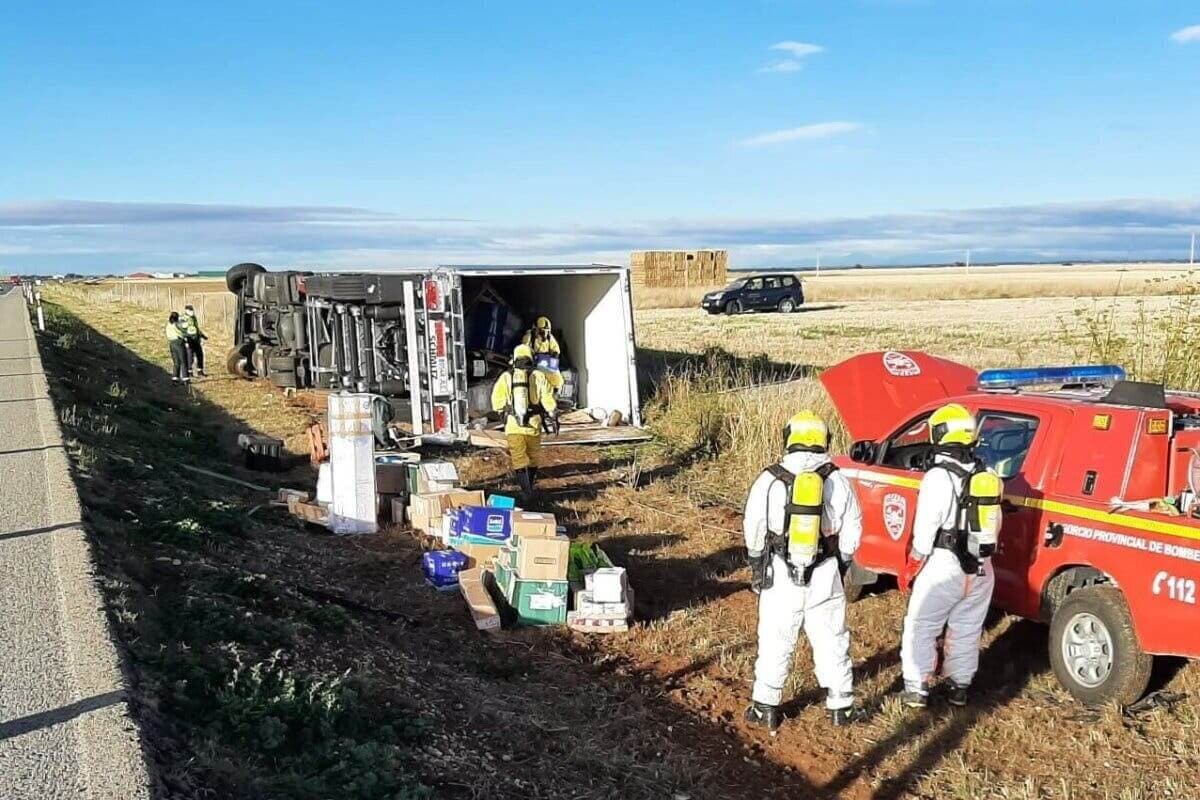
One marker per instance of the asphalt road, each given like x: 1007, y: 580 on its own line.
x: 65, y: 731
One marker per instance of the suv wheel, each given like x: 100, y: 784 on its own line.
x: 733, y: 307
x: 787, y: 305
x: 1094, y: 650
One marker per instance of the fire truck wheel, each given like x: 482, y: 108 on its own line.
x: 237, y: 275
x: 1094, y: 650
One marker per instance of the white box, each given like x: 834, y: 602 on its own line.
x: 587, y: 607
x: 607, y: 584
x: 324, y: 484
x: 352, y: 464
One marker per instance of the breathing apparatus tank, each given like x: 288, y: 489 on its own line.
x: 980, y: 516
x: 804, y: 518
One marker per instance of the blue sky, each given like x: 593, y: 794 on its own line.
x: 169, y: 135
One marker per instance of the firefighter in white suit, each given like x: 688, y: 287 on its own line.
x: 798, y: 579
x: 954, y: 535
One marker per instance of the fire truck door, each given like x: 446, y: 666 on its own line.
x: 1004, y: 442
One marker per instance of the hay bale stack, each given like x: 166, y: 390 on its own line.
x: 678, y: 268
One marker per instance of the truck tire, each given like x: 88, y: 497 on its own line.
x: 1094, y: 650
x: 733, y: 307
x: 238, y: 273
x: 238, y: 362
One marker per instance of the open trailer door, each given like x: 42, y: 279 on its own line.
x: 875, y: 392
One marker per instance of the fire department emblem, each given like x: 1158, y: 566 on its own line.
x: 900, y: 365
x: 895, y: 512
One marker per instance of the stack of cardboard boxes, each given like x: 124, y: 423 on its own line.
x: 605, y: 604
x: 531, y: 570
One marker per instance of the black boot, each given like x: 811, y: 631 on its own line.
x: 764, y: 715
x: 525, y: 482
x: 959, y: 695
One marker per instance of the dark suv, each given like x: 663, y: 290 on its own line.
x: 758, y: 293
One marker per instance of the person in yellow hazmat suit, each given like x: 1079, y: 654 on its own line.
x: 546, y: 352
x: 524, y: 395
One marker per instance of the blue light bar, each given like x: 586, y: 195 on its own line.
x: 1093, y: 374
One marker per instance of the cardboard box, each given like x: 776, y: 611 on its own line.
x: 483, y: 524
x: 442, y: 568
x: 585, y: 624
x: 478, y: 555
x: 586, y: 606
x: 308, y: 512
x: 608, y: 585
x: 543, y: 559
x: 535, y: 602
x: 391, y: 478
x: 533, y: 525
x: 429, y: 507
x: 432, y: 476
x: 479, y: 600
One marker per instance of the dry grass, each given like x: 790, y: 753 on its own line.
x: 839, y: 286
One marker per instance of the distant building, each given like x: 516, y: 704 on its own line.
x: 139, y: 276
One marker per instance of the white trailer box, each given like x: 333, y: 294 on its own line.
x: 352, y: 464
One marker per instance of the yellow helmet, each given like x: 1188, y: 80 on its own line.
x: 542, y: 325
x: 806, y: 431
x: 952, y: 424
x: 523, y: 351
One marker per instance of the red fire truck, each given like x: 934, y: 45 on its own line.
x: 1098, y: 538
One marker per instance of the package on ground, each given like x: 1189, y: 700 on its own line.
x: 441, y: 568
x: 482, y: 524
x: 535, y: 602
x: 533, y: 525
x: 425, y: 510
x: 473, y: 585
x: 501, y: 501
x: 308, y: 512
x: 586, y: 624
x: 478, y: 555
x: 587, y: 606
x: 283, y: 496
x: 607, y: 585
x: 585, y: 558
x: 431, y: 476
x: 541, y: 558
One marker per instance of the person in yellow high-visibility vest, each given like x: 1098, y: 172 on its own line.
x: 181, y: 364
x: 546, y: 352
x: 524, y: 395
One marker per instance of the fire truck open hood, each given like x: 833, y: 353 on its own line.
x: 875, y: 392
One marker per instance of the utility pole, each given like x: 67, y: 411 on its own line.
x: 819, y: 257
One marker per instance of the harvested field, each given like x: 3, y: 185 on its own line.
x: 669, y: 694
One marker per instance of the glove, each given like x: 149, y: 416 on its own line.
x: 909, y: 573
x: 758, y: 572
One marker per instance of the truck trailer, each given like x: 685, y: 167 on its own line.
x: 432, y: 341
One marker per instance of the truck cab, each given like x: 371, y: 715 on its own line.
x: 1093, y: 468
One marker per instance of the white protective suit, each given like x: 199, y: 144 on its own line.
x: 942, y: 595
x: 819, y: 607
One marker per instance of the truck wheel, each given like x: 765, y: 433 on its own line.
x: 237, y: 275
x: 786, y: 306
x: 1094, y: 650
x: 238, y: 363
x: 733, y: 307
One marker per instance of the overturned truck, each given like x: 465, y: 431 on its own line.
x: 432, y: 342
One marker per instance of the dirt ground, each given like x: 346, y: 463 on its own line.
x: 552, y: 713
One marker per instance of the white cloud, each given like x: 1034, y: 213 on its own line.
x: 1187, y: 35
x: 788, y: 65
x: 797, y: 52
x: 817, y: 130
x: 798, y: 49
